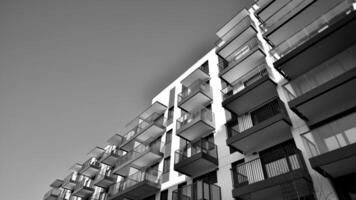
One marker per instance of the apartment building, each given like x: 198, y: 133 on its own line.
x: 269, y: 113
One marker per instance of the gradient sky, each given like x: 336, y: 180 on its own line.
x: 74, y: 72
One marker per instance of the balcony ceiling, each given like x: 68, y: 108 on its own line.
x: 197, y: 74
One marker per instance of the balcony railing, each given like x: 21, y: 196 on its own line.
x: 320, y: 75
x: 256, y: 171
x: 54, y: 192
x: 311, y: 30
x: 240, y: 52
x: 85, y: 183
x: 249, y: 78
x: 157, y: 147
x: 199, y: 114
x: 234, y: 31
x: 258, y: 116
x: 151, y: 176
x: 190, y: 150
x: 282, y: 13
x: 69, y: 181
x: 198, y: 85
x: 335, y: 135
x: 155, y: 118
x: 197, y: 191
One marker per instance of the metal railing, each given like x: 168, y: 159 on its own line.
x: 255, y: 171
x: 236, y: 55
x: 247, y: 79
x: 256, y: 117
x: 196, y: 115
x: 154, y: 118
x: 330, y: 137
x: 156, y: 147
x: 202, y: 146
x: 311, y: 30
x: 282, y: 13
x: 238, y: 28
x: 151, y: 176
x: 197, y: 191
x: 198, y: 85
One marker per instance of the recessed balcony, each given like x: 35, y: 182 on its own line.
x: 263, y: 127
x: 197, y: 94
x: 242, y: 60
x: 139, y: 185
x: 331, y: 34
x: 247, y: 94
x: 90, y: 168
x: 53, y: 194
x: 196, y: 159
x: 201, y: 73
x: 332, y: 147
x: 269, y: 179
x: 234, y: 34
x: 141, y: 156
x: 197, y: 191
x: 83, y: 189
x: 70, y: 181
x: 195, y: 124
x: 150, y: 125
x: 104, y: 180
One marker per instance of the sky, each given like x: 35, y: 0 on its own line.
x: 74, y: 72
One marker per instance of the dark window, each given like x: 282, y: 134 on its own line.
x: 265, y: 112
x: 171, y: 97
x: 164, y: 195
x: 166, y: 165
x: 170, y: 115
x: 210, y: 178
x: 169, y: 136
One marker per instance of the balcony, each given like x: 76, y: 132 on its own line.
x: 263, y: 127
x: 136, y: 186
x: 197, y: 191
x: 199, y: 93
x: 104, y: 180
x: 242, y: 60
x: 331, y: 34
x: 53, y: 194
x: 196, y: 124
x: 332, y: 147
x: 56, y: 183
x: 270, y: 179
x: 313, y: 95
x: 196, y: 159
x: 90, y: 168
x: 110, y: 158
x: 83, y: 189
x: 141, y: 156
x: 235, y: 33
x: 249, y: 91
x: 145, y: 131
x: 293, y: 16
x: 70, y: 181
x: 115, y: 140
x: 201, y: 73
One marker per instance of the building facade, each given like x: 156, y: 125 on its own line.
x: 269, y: 113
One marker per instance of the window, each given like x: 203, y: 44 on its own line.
x: 166, y: 165
x: 164, y: 195
x: 169, y: 136
x: 170, y: 115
